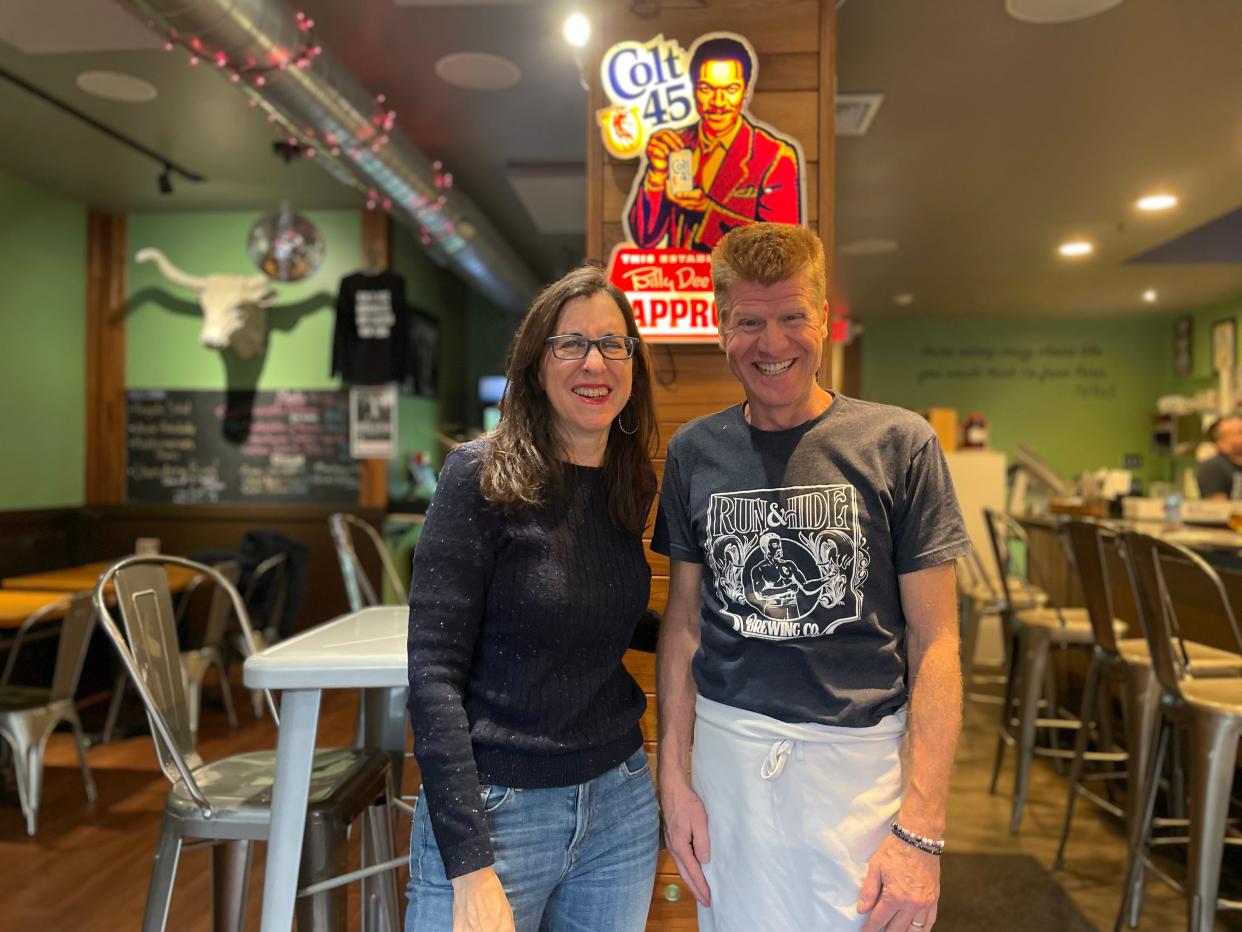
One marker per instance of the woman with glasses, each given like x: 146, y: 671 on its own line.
x: 537, y: 810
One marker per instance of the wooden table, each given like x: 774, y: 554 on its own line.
x: 19, y: 604
x: 78, y: 578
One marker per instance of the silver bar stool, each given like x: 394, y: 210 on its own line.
x: 1166, y: 578
x: 1033, y: 632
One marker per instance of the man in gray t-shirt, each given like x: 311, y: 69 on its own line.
x: 811, y: 540
x: 802, y: 539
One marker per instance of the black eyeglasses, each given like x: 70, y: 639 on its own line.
x: 573, y: 346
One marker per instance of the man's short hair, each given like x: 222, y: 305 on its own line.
x: 722, y: 50
x: 767, y: 254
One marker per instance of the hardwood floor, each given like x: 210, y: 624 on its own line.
x: 87, y: 868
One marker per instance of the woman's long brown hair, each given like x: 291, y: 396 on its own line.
x: 525, y: 458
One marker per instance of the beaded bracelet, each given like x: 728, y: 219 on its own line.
x: 933, y: 846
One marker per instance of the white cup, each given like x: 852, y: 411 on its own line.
x: 147, y: 546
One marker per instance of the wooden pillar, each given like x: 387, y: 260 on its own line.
x: 795, y: 41
x: 377, y: 251
x: 106, y: 245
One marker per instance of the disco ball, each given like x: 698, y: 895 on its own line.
x: 285, y: 246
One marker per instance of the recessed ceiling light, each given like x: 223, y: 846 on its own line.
x: 1044, y: 12
x: 577, y: 30
x: 478, y: 71
x: 1153, y: 202
x: 113, y: 85
x: 905, y: 299
x: 1150, y: 295
x: 870, y: 246
x: 1075, y: 248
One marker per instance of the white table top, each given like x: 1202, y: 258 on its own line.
x: 359, y: 650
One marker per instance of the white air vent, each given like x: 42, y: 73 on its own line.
x: 855, y: 113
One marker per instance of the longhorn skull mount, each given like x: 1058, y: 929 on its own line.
x: 234, y: 306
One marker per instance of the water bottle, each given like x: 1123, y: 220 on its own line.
x: 1173, y: 509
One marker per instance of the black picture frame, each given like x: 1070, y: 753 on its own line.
x: 1224, y: 345
x: 423, y: 360
x: 1184, y: 346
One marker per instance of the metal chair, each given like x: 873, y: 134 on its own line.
x: 1090, y: 543
x: 28, y: 714
x: 196, y: 661
x: 1168, y: 579
x: 1032, y: 633
x: 272, y: 572
x: 227, y: 804
x: 358, y: 587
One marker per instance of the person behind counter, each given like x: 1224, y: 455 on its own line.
x: 537, y: 808
x: 1221, y: 476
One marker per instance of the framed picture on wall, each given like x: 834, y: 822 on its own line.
x: 1224, y: 345
x: 1184, y: 345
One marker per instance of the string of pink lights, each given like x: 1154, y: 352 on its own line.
x: 255, y: 73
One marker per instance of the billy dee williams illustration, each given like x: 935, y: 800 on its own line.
x: 790, y: 562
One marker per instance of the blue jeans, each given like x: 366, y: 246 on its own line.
x: 571, y: 859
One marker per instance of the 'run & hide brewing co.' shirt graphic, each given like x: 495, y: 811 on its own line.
x: 802, y: 534
x: 787, y: 563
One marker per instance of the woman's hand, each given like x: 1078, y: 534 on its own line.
x: 480, y: 904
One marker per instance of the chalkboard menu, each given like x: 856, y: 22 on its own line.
x: 189, y: 447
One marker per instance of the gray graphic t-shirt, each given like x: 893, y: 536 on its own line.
x: 802, y: 534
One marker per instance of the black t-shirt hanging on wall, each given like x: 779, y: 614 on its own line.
x: 372, y: 329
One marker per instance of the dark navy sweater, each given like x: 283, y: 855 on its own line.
x: 519, y: 619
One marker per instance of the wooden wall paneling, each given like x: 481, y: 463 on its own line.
x: 377, y: 242
x: 826, y: 192
x: 106, y: 245
x: 773, y: 26
x: 789, y: 71
x: 658, y: 561
x: 45, y: 539
x: 794, y: 42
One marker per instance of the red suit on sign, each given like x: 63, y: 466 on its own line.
x: 758, y: 180
x: 722, y: 172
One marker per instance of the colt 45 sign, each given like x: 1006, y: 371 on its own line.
x: 706, y: 166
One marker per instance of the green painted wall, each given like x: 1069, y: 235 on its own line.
x: 1081, y: 393
x: 163, y: 324
x: 43, y: 327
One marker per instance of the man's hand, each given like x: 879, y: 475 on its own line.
x: 901, y: 889
x: 658, y: 149
x: 480, y: 904
x: 694, y: 199
x: 685, y: 834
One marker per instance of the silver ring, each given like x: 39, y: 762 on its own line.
x: 917, y: 925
